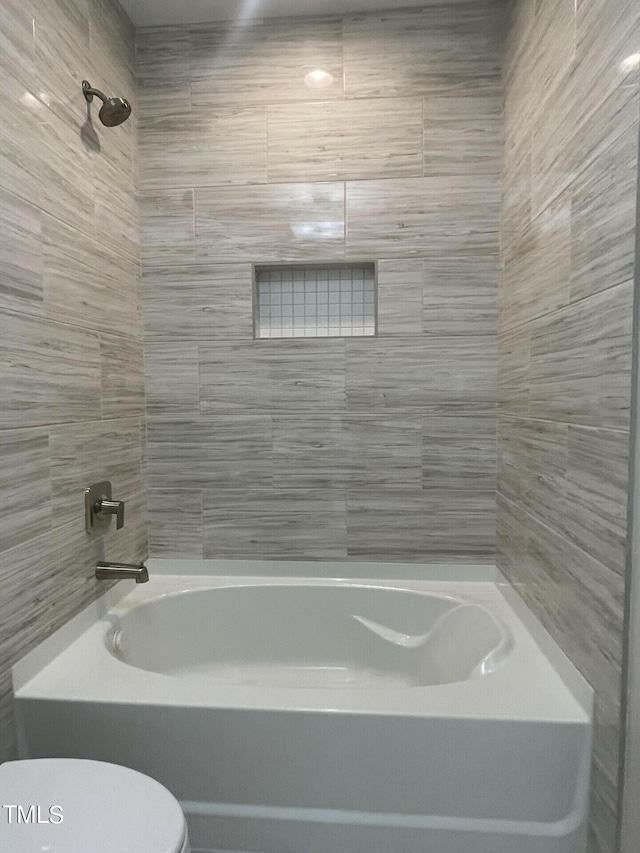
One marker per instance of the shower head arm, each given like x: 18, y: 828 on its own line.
x: 89, y: 92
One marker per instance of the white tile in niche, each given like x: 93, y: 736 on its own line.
x: 315, y: 301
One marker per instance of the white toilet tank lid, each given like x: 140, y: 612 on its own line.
x: 105, y: 808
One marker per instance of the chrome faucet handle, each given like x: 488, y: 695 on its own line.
x: 105, y: 507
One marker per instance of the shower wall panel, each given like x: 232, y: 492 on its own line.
x: 566, y: 297
x: 71, y: 373
x: 370, y: 448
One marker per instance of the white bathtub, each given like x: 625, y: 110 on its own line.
x: 323, y: 716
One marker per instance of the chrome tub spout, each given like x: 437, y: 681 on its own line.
x: 119, y: 571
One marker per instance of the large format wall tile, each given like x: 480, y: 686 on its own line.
x: 112, y: 33
x: 388, y: 54
x: 463, y: 135
x: 581, y: 361
x: 294, y: 524
x: 60, y: 73
x: 551, y: 51
x: 117, y: 222
x: 385, y: 450
x: 606, y: 35
x: 516, y: 188
x: 198, y: 302
x: 49, y: 372
x: 595, y: 517
x: 584, y: 117
x: 70, y: 262
x: 571, y: 478
x: 460, y: 294
x: 172, y: 378
x: 282, y: 222
x: 184, y: 453
x: 603, y: 219
x: 272, y: 376
x: 21, y: 262
x: 459, y: 452
x: 513, y: 370
x: 315, y: 452
x: 264, y: 62
x: 64, y: 173
x: 167, y: 231
x: 537, y: 266
x: 311, y: 453
x: 176, y: 523
x: 198, y: 148
x: 17, y: 42
x: 532, y: 466
x: 511, y: 544
x: 163, y: 71
x: 416, y: 374
x: 400, y: 285
x: 25, y: 485
x: 23, y: 119
x: 426, y: 216
x: 44, y: 580
x: 435, y: 525
x: 122, y: 376
x: 345, y: 140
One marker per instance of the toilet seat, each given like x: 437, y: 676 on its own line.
x: 105, y: 808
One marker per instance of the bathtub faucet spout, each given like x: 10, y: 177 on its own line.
x: 118, y: 571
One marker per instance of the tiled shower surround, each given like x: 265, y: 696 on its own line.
x: 370, y: 448
x: 379, y: 448
x: 71, y: 375
x: 569, y: 216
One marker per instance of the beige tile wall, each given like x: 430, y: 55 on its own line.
x: 568, y: 229
x: 71, y: 376
x: 380, y: 448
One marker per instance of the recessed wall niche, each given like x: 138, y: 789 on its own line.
x: 314, y: 300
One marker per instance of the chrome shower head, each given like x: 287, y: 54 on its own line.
x: 113, y: 110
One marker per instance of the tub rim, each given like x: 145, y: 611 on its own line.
x: 541, y: 695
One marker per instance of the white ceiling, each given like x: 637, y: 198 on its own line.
x: 150, y: 13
